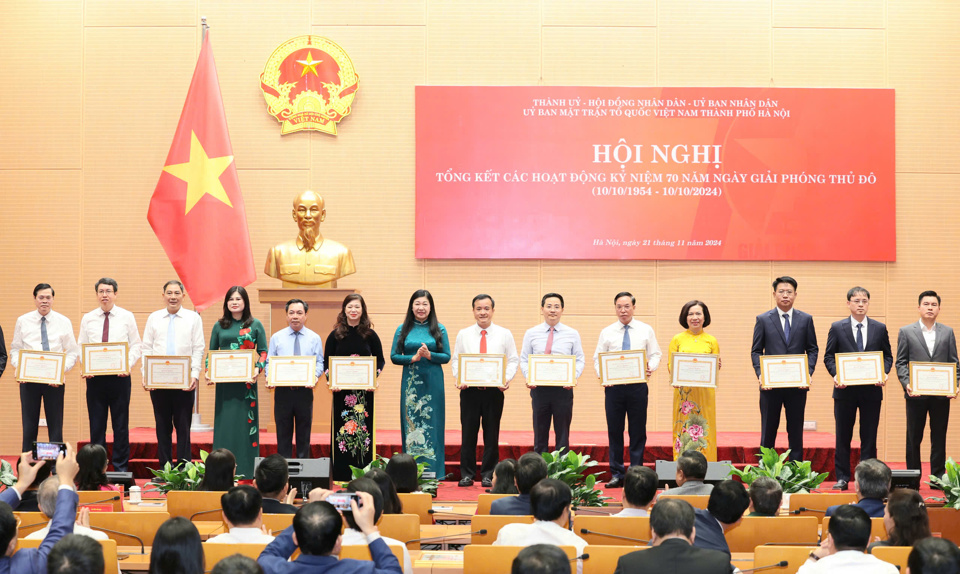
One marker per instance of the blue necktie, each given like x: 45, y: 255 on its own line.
x: 44, y: 341
x: 860, y: 336
x: 626, y: 338
x: 786, y: 327
x: 296, y: 343
x: 171, y: 337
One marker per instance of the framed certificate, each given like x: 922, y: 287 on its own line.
x: 41, y: 367
x: 784, y: 371
x: 623, y: 367
x: 353, y: 373
x: 166, y: 372
x: 298, y: 371
x: 931, y: 379
x: 232, y: 366
x: 695, y: 370
x: 552, y: 370
x: 859, y: 368
x: 481, y: 370
x: 105, y: 359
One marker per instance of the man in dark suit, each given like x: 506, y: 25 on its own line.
x: 671, y: 526
x: 728, y: 501
x: 926, y: 341
x: 272, y: 479
x: 784, y: 331
x: 856, y: 334
x: 873, y: 487
x: 531, y: 469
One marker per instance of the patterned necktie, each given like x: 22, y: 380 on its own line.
x: 296, y: 343
x: 860, y: 336
x: 44, y: 341
x: 106, y: 327
x: 549, y: 347
x: 626, y: 338
x: 483, y: 341
x: 786, y: 327
x: 171, y: 336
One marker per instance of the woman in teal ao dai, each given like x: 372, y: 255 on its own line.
x: 421, y: 346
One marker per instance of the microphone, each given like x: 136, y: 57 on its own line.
x: 781, y: 564
x: 581, y: 557
x: 803, y: 509
x: 587, y: 531
x: 434, y: 511
x: 591, y: 511
x: 481, y: 532
x: 34, y: 524
x: 111, y: 499
x: 134, y: 536
x: 204, y: 512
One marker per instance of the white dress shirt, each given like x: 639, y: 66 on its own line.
x: 26, y: 336
x: 242, y: 536
x: 627, y: 512
x: 781, y: 313
x: 499, y: 342
x: 641, y: 337
x: 540, y: 532
x: 929, y: 335
x: 188, y: 336
x: 123, y: 329
x: 848, y: 562
x: 863, y: 331
x: 353, y: 537
x: 77, y: 529
x: 566, y: 341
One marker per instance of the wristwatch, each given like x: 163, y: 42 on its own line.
x: 813, y: 556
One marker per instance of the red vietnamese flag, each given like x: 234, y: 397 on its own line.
x: 197, y: 210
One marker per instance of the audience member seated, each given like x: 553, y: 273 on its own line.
x: 316, y: 531
x: 237, y: 564
x: 531, y: 469
x: 243, y: 514
x: 691, y: 470
x: 76, y: 554
x: 842, y: 550
x: 766, y: 496
x: 34, y: 560
x: 905, y: 519
x: 728, y: 501
x: 639, y: 488
x: 177, y: 548
x: 873, y: 485
x: 352, y: 536
x: 934, y: 556
x: 672, y: 540
x: 541, y: 559
x: 402, y: 468
x: 93, y: 462
x: 505, y: 477
x: 28, y: 500
x: 272, y: 479
x: 47, y: 496
x: 391, y: 502
x: 219, y: 470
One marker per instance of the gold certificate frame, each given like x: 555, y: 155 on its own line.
x: 695, y: 370
x: 43, y: 367
x: 167, y: 372
x: 232, y: 366
x: 784, y: 371
x: 859, y: 368
x: 296, y: 371
x: 106, y: 358
x: 481, y: 370
x: 353, y: 373
x: 552, y: 370
x: 933, y: 379
x: 623, y: 367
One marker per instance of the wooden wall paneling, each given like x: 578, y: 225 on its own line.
x: 599, y: 13
x: 827, y: 14
x: 141, y: 14
x: 588, y: 287
x: 368, y: 12
x: 814, y: 58
x: 583, y: 56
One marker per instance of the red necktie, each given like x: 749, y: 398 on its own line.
x: 106, y: 327
x: 483, y: 341
x: 549, y: 347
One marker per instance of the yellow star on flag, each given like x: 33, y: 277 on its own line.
x: 201, y: 173
x: 309, y: 65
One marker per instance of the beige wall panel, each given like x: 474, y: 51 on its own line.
x: 828, y: 14
x: 512, y: 284
x: 368, y: 13
x: 704, y: 43
x: 599, y: 13
x: 40, y: 66
x: 588, y: 287
x: 146, y: 13
x: 822, y: 285
x: 578, y: 56
x: 461, y: 50
x: 814, y: 58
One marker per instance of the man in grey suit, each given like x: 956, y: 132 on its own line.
x: 926, y: 341
x: 691, y: 472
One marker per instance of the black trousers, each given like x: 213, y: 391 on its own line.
x: 551, y: 403
x: 293, y: 406
x: 30, y: 396
x: 480, y: 406
x: 845, y: 413
x: 793, y: 402
x: 917, y: 410
x: 172, y: 409
x: 626, y: 401
x: 110, y: 394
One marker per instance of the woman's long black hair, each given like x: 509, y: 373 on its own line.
x: 409, y: 321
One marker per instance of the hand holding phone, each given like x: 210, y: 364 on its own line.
x: 341, y: 501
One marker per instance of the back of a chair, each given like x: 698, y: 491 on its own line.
x: 109, y: 553
x: 794, y: 555
x: 896, y: 555
x: 277, y: 523
x: 362, y: 552
x: 817, y: 503
x: 485, y: 500
x: 213, y: 553
x: 877, y: 528
x: 401, y: 527
x: 637, y: 527
x: 492, y: 523
x: 946, y: 521
x: 754, y: 531
x: 143, y: 525
x: 418, y: 503
x: 30, y: 522
x: 486, y: 559
x: 696, y: 500
x: 603, y: 559
x: 187, y: 503
x: 101, y: 498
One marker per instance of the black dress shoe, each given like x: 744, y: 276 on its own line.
x: 840, y: 485
x: 465, y: 482
x: 617, y: 482
x: 486, y: 483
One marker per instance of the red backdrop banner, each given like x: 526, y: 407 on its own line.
x: 655, y: 173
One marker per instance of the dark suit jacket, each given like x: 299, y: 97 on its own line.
x: 272, y: 506
x: 3, y: 353
x: 274, y: 558
x: 768, y: 338
x: 709, y: 533
x: 34, y: 560
x: 873, y: 506
x: 840, y: 339
x: 911, y: 346
x: 512, y: 505
x: 675, y: 556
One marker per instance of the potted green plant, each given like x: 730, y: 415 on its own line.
x: 570, y: 468
x: 793, y: 476
x: 184, y: 476
x: 428, y: 485
x: 7, y: 478
x: 949, y: 483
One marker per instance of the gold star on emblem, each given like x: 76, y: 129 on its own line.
x: 201, y: 173
x: 309, y: 65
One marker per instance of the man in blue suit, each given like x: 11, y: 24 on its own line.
x: 873, y: 487
x: 34, y: 560
x: 784, y: 331
x: 728, y: 501
x: 856, y: 334
x: 316, y: 531
x: 531, y: 469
